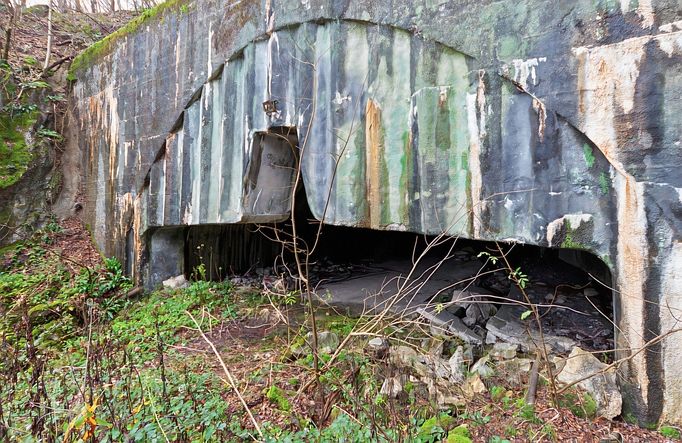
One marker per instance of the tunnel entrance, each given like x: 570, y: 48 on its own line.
x: 360, y: 269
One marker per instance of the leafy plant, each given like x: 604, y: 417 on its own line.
x: 49, y: 133
x: 519, y: 277
x: 493, y: 259
x: 276, y: 396
x: 670, y: 432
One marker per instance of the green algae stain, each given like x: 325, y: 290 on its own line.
x: 569, y: 242
x: 607, y: 260
x: 405, y: 175
x: 15, y: 153
x: 443, y: 128
x: 604, y: 183
x: 589, y: 155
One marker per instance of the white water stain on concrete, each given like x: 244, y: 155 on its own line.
x: 671, y: 313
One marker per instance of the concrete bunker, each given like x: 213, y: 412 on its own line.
x: 539, y: 145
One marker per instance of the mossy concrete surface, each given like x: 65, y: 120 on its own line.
x: 15, y: 152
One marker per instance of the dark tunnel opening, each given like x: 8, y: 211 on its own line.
x: 571, y: 287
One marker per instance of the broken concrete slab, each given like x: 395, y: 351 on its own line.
x: 327, y: 341
x: 482, y: 368
x: 457, y: 366
x: 593, y: 376
x: 473, y: 386
x: 445, y: 323
x: 507, y: 326
x: 177, y: 282
x: 504, y: 351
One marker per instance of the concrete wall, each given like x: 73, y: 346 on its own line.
x: 551, y: 123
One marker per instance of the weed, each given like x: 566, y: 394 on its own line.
x: 581, y: 404
x: 497, y: 393
x: 459, y: 434
x: 434, y: 429
x: 527, y: 412
x: 670, y: 432
x: 276, y: 396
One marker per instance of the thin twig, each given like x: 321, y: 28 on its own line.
x: 227, y: 372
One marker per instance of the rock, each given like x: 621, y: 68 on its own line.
x: 473, y: 386
x: 327, y: 342
x: 456, y: 310
x: 482, y: 368
x: 507, y: 326
x: 177, y: 282
x: 514, y: 370
x: 407, y: 357
x: 440, y: 367
x: 456, y: 364
x: 445, y: 323
x: 601, y: 386
x: 504, y: 351
x: 479, y: 311
x: 558, y: 363
x: 377, y: 348
x: 516, y: 365
x: 392, y: 387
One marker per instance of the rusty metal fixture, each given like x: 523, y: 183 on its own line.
x: 270, y: 107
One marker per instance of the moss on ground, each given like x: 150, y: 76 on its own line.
x: 105, y: 46
x: 15, y: 153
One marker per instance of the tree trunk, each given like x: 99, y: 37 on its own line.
x: 49, y: 36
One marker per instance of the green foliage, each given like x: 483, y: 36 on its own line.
x: 498, y: 439
x: 166, y: 314
x: 670, y: 432
x: 15, y: 154
x: 498, y: 392
x: 30, y: 61
x: 104, y: 46
x: 460, y: 434
x: 493, y: 259
x: 49, y: 133
x: 549, y: 431
x: 519, y: 277
x: 604, y: 183
x: 589, y: 155
x: 39, y: 288
x: 477, y: 417
x: 434, y: 429
x: 56, y: 98
x: 277, y: 396
x: 569, y: 242
x: 581, y: 404
x: 34, y: 84
x: 527, y: 412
